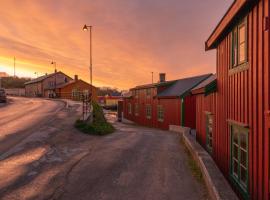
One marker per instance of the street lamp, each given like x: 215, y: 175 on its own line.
x: 54, y: 63
x: 89, y: 28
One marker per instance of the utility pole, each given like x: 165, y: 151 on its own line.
x: 89, y: 28
x: 14, y: 66
x: 54, y: 63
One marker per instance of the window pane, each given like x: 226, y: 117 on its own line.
x: 243, y: 175
x: 244, y: 158
x: 242, y: 34
x: 210, y: 143
x: 235, y: 137
x: 242, y: 52
x: 210, y: 120
x: 235, y: 152
x: 235, y: 167
x: 243, y: 140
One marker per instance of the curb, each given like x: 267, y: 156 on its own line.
x: 217, y: 185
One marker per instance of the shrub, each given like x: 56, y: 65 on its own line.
x: 99, y: 126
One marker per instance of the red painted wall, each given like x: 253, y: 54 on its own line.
x: 190, y: 111
x: 172, y: 110
x: 205, y: 104
x: 244, y: 97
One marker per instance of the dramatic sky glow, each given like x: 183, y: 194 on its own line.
x: 131, y: 38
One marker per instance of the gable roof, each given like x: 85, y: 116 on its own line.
x: 182, y: 86
x: 41, y: 78
x: 73, y: 82
x: 234, y: 10
x: 206, y: 82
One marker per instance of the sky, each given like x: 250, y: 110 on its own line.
x: 131, y: 38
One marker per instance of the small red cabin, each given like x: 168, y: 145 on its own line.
x: 165, y: 103
x: 241, y: 111
x: 206, y: 98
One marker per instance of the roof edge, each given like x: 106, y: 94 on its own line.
x: 225, y: 21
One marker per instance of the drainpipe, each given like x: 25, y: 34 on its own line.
x: 182, y: 112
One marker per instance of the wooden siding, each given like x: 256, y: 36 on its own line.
x: 244, y: 97
x: 190, y: 112
x: 226, y: 20
x: 171, y: 106
x: 203, y: 105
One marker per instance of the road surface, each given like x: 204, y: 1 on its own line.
x: 55, y: 161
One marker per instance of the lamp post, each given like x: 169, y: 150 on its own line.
x: 54, y: 63
x: 89, y: 28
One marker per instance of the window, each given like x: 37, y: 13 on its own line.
x: 239, y: 157
x: 136, y: 94
x: 148, y: 92
x: 160, y: 113
x: 86, y: 93
x: 209, y: 132
x: 75, y: 94
x: 148, y: 111
x: 129, y: 108
x: 239, y: 44
x: 137, y: 109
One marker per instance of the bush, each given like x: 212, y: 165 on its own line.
x: 100, y: 126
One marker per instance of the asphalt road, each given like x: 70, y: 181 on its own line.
x: 21, y: 116
x: 56, y: 161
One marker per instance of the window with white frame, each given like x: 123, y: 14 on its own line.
x: 148, y: 109
x: 160, y: 113
x: 239, y: 157
x: 148, y: 92
x: 136, y: 109
x: 209, y: 132
x: 239, y: 47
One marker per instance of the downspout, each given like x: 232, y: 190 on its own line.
x: 182, y: 112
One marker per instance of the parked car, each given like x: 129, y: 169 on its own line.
x: 3, y: 96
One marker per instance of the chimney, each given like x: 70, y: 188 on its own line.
x: 162, y: 77
x: 76, y: 77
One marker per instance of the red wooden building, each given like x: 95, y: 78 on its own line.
x: 240, y: 107
x: 206, y: 96
x: 165, y: 103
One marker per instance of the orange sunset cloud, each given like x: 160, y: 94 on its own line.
x: 131, y: 38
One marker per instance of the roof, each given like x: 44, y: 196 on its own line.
x: 41, y: 78
x: 165, y: 83
x: 206, y: 82
x: 180, y: 87
x: 67, y: 83
x: 234, y: 10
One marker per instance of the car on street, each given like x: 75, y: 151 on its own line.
x: 3, y: 96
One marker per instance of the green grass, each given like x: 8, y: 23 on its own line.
x: 195, y: 169
x: 100, y: 126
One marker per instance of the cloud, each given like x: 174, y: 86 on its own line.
x: 131, y: 38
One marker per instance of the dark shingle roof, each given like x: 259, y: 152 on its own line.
x: 182, y: 86
x: 206, y: 82
x: 41, y: 78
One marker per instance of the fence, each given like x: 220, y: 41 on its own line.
x: 15, y: 92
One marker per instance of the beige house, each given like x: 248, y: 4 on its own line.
x: 45, y: 86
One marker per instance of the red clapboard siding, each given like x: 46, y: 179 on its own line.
x: 244, y: 97
x: 190, y: 111
x: 203, y: 105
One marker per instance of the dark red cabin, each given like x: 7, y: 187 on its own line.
x: 241, y: 136
x: 165, y: 103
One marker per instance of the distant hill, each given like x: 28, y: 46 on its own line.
x: 13, y: 82
x: 108, y: 91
